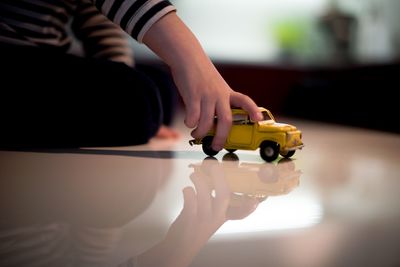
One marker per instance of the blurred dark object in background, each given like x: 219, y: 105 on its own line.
x: 358, y: 96
x: 361, y: 96
x: 339, y: 28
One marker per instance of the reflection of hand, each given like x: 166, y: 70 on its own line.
x: 202, y: 214
x: 241, y: 206
x: 207, y: 206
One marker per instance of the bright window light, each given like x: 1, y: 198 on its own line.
x: 278, y: 213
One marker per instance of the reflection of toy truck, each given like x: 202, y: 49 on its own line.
x: 253, y: 179
x: 271, y: 137
x: 263, y: 180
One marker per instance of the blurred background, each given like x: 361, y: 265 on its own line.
x: 330, y: 60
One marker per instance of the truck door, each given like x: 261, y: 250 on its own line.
x: 242, y: 130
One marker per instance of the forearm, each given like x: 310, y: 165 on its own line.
x: 173, y: 41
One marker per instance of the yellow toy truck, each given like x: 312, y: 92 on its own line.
x: 271, y: 137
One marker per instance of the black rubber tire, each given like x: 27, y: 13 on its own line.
x: 230, y: 157
x: 288, y: 154
x: 230, y: 150
x: 269, y: 151
x: 206, y: 145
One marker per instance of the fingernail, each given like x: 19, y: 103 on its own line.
x: 217, y: 147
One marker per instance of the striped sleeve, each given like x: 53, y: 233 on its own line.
x: 100, y: 37
x: 135, y: 16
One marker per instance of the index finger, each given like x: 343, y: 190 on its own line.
x: 224, y: 123
x: 246, y: 103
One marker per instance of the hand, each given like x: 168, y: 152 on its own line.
x: 203, y: 90
x: 206, y: 95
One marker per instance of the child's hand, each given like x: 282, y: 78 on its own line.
x: 204, y: 91
x: 206, y: 94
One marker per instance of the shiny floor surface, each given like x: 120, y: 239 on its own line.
x: 337, y: 203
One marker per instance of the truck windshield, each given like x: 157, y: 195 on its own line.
x: 267, y: 116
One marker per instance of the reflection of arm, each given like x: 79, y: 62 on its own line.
x: 100, y: 37
x: 202, y: 215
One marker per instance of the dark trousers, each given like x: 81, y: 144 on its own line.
x: 55, y: 100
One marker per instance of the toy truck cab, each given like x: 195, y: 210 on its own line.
x: 271, y: 137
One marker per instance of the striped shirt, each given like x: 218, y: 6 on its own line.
x: 46, y: 23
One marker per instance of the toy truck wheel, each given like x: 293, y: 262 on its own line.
x: 230, y: 157
x: 230, y: 150
x: 269, y: 151
x: 287, y: 154
x: 206, y: 145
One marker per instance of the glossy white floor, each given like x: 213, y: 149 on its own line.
x: 335, y: 204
